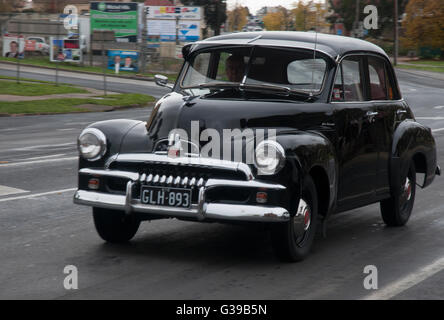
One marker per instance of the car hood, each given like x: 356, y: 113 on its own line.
x: 176, y: 111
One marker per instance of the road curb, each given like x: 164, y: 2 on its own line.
x: 142, y: 78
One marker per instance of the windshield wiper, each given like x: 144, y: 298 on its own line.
x: 274, y: 88
x: 252, y: 87
x: 209, y: 85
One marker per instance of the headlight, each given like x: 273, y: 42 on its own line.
x: 269, y: 157
x: 92, y: 144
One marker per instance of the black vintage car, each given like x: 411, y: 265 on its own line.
x: 279, y: 128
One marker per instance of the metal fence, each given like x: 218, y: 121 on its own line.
x: 154, y: 56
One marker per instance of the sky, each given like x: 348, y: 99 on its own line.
x: 255, y: 5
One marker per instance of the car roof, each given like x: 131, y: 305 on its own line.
x: 332, y: 45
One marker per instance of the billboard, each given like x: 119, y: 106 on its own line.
x: 13, y: 47
x: 165, y: 30
x: 65, y: 50
x: 170, y: 12
x: 123, y: 60
x: 120, y: 17
x: 161, y: 23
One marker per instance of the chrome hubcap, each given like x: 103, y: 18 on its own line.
x: 408, y: 189
x: 304, y: 212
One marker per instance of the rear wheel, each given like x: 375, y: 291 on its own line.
x: 115, y: 226
x: 396, y: 210
x: 291, y: 241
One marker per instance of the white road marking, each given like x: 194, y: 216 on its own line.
x: 408, y: 281
x: 5, y: 190
x: 439, y: 107
x: 42, y: 146
x: 38, y: 195
x: 438, y: 130
x: 15, y: 164
x: 68, y: 129
x: 42, y: 157
x: 430, y: 118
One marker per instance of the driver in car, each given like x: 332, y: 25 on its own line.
x: 234, y: 68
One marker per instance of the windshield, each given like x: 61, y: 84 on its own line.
x: 292, y: 69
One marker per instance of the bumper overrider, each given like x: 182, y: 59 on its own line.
x: 137, y: 170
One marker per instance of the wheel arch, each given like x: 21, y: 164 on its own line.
x: 413, y: 142
x: 322, y: 183
x: 313, y: 155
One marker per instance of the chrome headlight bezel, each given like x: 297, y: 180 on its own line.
x: 101, y: 144
x: 278, y: 161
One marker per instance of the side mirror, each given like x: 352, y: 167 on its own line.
x: 162, y: 81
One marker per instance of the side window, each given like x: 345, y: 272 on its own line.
x: 349, y: 80
x: 378, y: 79
x: 199, y: 68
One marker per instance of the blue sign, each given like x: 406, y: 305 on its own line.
x: 123, y: 60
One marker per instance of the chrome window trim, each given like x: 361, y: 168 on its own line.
x: 339, y: 61
x: 314, y: 93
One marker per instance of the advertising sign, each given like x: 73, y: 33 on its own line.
x: 13, y: 47
x: 123, y: 60
x: 170, y: 12
x: 165, y: 30
x: 120, y: 17
x: 65, y: 50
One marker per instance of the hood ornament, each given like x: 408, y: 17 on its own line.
x: 174, y: 145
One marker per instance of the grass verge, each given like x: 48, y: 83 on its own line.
x: 52, y: 106
x: 421, y: 68
x: 36, y: 89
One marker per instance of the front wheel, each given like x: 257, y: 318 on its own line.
x: 115, y: 226
x: 291, y: 241
x: 396, y: 210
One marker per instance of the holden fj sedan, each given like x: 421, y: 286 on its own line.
x: 283, y: 129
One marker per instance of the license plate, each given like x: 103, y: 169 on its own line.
x: 162, y: 196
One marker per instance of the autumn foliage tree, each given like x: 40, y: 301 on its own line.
x: 237, y: 18
x: 424, y: 24
x: 279, y: 19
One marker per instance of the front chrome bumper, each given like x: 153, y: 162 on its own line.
x: 200, y: 211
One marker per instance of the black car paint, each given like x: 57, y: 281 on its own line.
x: 355, y: 161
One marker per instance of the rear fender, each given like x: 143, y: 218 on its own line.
x: 412, y: 139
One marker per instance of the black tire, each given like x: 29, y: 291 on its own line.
x: 396, y: 210
x: 287, y: 246
x: 114, y: 226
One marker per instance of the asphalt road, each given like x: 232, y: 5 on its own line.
x: 42, y: 231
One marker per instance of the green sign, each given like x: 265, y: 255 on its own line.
x: 120, y: 17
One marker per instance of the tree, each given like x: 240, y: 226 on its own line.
x: 345, y: 12
x: 424, y: 24
x: 274, y: 21
x: 279, y: 19
x: 237, y: 18
x: 215, y: 12
x: 309, y: 16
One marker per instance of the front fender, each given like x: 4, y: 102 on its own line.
x: 412, y: 140
x: 115, y: 131
x: 311, y: 152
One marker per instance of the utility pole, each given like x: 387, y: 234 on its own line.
x: 395, y: 53
x: 356, y: 24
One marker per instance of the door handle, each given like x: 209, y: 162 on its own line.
x: 400, y: 111
x: 371, y: 114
